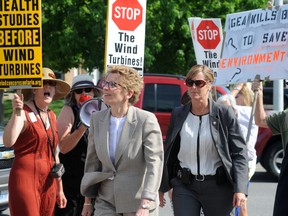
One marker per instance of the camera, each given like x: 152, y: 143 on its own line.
x: 57, y: 170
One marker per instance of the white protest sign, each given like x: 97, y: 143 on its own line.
x: 125, y: 34
x: 255, y: 43
x: 207, y: 40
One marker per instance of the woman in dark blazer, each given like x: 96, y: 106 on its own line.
x: 205, y: 154
x: 125, y: 150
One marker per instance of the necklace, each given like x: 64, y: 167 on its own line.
x: 38, y: 109
x: 42, y: 110
x: 40, y: 115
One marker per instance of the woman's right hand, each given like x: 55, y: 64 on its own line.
x: 17, y: 102
x: 87, y: 210
x: 162, y: 199
x: 256, y: 86
x: 61, y: 199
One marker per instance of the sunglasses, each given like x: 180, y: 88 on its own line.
x: 86, y: 90
x: 49, y: 82
x: 110, y: 84
x: 198, y: 83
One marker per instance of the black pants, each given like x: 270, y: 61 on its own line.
x: 214, y: 199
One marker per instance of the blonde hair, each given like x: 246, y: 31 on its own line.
x: 129, y: 79
x: 248, y: 94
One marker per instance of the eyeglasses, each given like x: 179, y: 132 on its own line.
x: 198, y: 83
x: 49, y: 82
x: 237, y: 96
x: 86, y: 90
x: 110, y: 84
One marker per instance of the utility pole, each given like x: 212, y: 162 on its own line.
x: 278, y: 87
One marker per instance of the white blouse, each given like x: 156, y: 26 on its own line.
x: 200, y: 158
x: 115, y: 130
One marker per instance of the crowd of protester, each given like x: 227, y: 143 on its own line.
x: 114, y: 165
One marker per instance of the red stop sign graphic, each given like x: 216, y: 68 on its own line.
x: 208, y: 34
x: 127, y: 14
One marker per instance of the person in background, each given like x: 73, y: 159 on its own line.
x: 243, y: 94
x: 34, y: 137
x: 278, y: 123
x: 243, y: 114
x: 73, y: 136
x: 125, y: 150
x: 205, y: 157
x: 244, y: 99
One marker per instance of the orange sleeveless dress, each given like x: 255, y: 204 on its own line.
x: 32, y: 192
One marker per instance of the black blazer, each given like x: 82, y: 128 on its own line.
x: 227, y: 139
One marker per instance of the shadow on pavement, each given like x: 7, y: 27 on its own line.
x: 263, y: 177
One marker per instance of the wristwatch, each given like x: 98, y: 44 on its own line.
x: 145, y: 206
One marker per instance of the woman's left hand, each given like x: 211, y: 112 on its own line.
x: 61, y: 200
x: 238, y: 198
x: 142, y: 212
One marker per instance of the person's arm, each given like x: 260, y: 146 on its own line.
x: 154, y: 157
x: 92, y: 162
x: 16, y: 123
x: 237, y: 88
x: 87, y: 207
x: 238, y: 152
x: 61, y: 199
x: 65, y: 122
x: 260, y: 114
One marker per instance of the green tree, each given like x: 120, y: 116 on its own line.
x: 74, y: 32
x: 169, y: 46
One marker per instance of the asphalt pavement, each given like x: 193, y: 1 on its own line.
x: 261, y: 193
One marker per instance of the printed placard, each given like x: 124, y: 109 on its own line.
x: 256, y: 43
x: 125, y: 34
x: 20, y: 44
x: 207, y: 38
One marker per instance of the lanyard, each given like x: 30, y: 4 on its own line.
x: 49, y: 140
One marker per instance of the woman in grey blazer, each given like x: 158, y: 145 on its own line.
x: 205, y: 153
x: 125, y: 150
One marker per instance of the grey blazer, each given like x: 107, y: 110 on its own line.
x: 227, y: 139
x: 138, y: 159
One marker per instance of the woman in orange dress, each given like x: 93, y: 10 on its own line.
x: 33, y: 135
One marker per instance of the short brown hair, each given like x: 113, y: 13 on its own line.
x: 207, y: 72
x: 129, y: 79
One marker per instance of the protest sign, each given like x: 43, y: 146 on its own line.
x: 125, y: 34
x: 20, y: 44
x: 255, y: 44
x: 207, y: 41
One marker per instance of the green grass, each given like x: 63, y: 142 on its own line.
x: 56, y: 106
